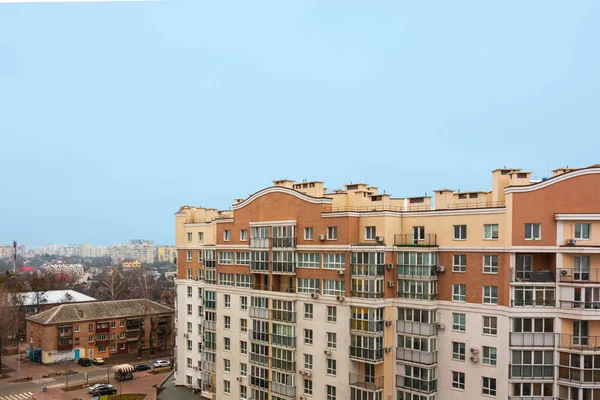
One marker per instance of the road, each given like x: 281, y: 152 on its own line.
x: 95, y: 373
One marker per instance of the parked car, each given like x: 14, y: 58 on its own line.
x: 98, y: 386
x: 161, y: 363
x: 104, y: 390
x: 84, y: 362
x: 141, y: 367
x: 98, y: 360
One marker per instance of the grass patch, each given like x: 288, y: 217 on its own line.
x: 127, y: 396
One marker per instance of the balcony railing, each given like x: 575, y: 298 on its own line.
x: 67, y: 346
x: 369, y: 383
x: 534, y: 398
x: 529, y: 371
x: 532, y: 339
x: 418, y: 385
x: 262, y: 243
x: 286, y: 390
x: 210, y: 325
x: 362, y: 270
x: 580, y: 305
x: 209, y: 366
x: 259, y: 336
x: 417, y: 271
x: 65, y: 334
x: 578, y: 343
x: 258, y: 312
x: 359, y: 353
x: 416, y: 356
x: 283, y: 316
x: 408, y: 240
x: 533, y: 303
x: 289, y: 366
x: 585, y: 376
x: 362, y: 325
x: 367, y: 295
x: 261, y: 267
x: 572, y: 275
x: 417, y: 296
x: 283, y: 341
x: 416, y: 328
x: 284, y: 267
x: 259, y: 359
x: 284, y: 242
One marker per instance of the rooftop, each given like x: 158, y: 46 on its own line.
x: 54, y: 297
x: 101, y: 310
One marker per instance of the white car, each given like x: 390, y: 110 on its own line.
x: 161, y: 363
x: 97, y: 385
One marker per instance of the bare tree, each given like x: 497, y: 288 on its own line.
x: 9, y: 311
x: 56, y: 281
x: 141, y: 284
x: 112, y: 286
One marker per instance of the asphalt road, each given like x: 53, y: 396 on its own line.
x: 95, y: 373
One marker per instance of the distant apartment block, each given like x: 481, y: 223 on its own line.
x: 132, y: 264
x: 303, y: 293
x: 166, y: 254
x: 100, y: 329
x: 144, y: 252
x: 73, y: 270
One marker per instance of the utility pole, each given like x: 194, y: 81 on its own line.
x: 14, y: 256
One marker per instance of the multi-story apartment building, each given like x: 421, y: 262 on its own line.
x: 75, y: 271
x: 145, y: 252
x: 99, y: 329
x: 300, y: 293
x: 166, y: 254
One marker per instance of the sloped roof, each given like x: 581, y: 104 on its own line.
x: 54, y: 297
x: 100, y: 310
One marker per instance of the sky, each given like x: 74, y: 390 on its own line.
x: 113, y: 115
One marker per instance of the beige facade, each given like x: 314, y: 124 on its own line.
x: 304, y: 292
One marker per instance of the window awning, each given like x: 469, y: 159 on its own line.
x: 123, y: 368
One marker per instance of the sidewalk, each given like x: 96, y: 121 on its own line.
x: 28, y: 368
x: 142, y: 382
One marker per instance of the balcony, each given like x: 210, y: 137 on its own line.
x: 259, y: 336
x: 133, y: 327
x: 533, y: 398
x: 369, y: 383
x: 416, y: 356
x: 210, y: 325
x: 65, y: 334
x: 103, y: 342
x: 580, y: 305
x: 367, y: 271
x: 284, y: 242
x: 259, y: 383
x: 283, y: 341
x: 364, y: 326
x: 578, y: 343
x: 284, y: 365
x: 285, y: 390
x: 416, y: 328
x: 367, y: 295
x: 259, y: 359
x: 570, y: 275
x: 415, y: 384
x: 283, y: 316
x: 102, y: 327
x: 538, y: 371
x: 417, y: 271
x: 362, y: 354
x: 284, y: 267
x: 209, y: 366
x: 258, y: 312
x: 260, y: 243
x: 417, y: 296
x: 65, y: 346
x: 532, y: 339
x: 259, y: 267
x: 408, y: 240
x: 210, y: 264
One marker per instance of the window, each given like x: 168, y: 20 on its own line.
x: 243, y: 369
x: 458, y: 351
x: 331, y: 234
x: 243, y: 347
x: 242, y: 258
x: 458, y: 380
x: 190, y: 291
x: 490, y: 295
x: 370, y: 232
x: 309, y: 260
x: 308, y: 311
x: 459, y: 322
x: 581, y: 270
x: 308, y: 386
x: 189, y: 309
x: 244, y: 280
x: 227, y: 321
x: 459, y: 263
x: 308, y: 336
x: 308, y: 233
x: 490, y: 325
x: 201, y: 237
x: 113, y: 325
x: 227, y: 299
x: 331, y: 366
x: 189, y: 327
x: 331, y: 340
x: 308, y: 361
x: 490, y: 264
x: 227, y: 365
x: 331, y: 314
x: 189, y: 345
x: 243, y: 392
x: 331, y: 393
x: 333, y: 288
x: 122, y: 335
x: 582, y: 231
x: 243, y: 325
x: 533, y: 231
x: 189, y: 236
x: 76, y: 328
x: 226, y: 386
x: 334, y: 261
x: 532, y: 364
x: 189, y: 257
x: 488, y: 386
x: 490, y: 231
x: 90, y: 339
x: 460, y: 232
x: 307, y: 285
x: 226, y: 235
x: 226, y: 257
x: 244, y: 235
x: 459, y: 292
x: 244, y: 303
x: 489, y: 355
x: 227, y: 344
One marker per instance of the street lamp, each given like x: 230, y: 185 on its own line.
x: 19, y: 361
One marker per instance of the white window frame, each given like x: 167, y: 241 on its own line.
x: 530, y: 231
x: 334, y: 287
x: 226, y: 235
x: 308, y: 311
x: 488, y: 326
x: 459, y: 267
x: 458, y: 380
x: 308, y: 260
x: 226, y: 257
x: 490, y: 356
x: 582, y: 236
x: 243, y: 235
x: 459, y: 292
x: 201, y: 237
x: 308, y: 361
x: 331, y: 314
x: 308, y: 285
x: 331, y: 367
x: 488, y: 295
x: 242, y: 258
x: 462, y: 231
x: 334, y: 261
x: 189, y: 256
x: 331, y: 340
x: 309, y: 233
x: 332, y: 233
x: 487, y: 388
x: 489, y: 266
x: 488, y: 231
x: 309, y: 336
x: 370, y: 232
x: 226, y: 365
x: 459, y: 322
x: 459, y: 351
x: 189, y: 237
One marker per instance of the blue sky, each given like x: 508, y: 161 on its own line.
x: 112, y: 115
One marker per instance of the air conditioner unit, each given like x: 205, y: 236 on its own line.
x: 474, y: 350
x: 195, y: 368
x: 321, y: 237
x: 239, y: 379
x: 388, y: 349
x: 379, y: 239
x: 565, y: 272
x: 391, y: 283
x: 388, y: 323
x: 340, y: 298
x: 341, y: 272
x: 302, y: 373
x: 389, y: 266
x: 441, y: 268
x: 195, y: 279
x: 571, y: 242
x: 474, y: 358
x: 327, y: 352
x: 314, y: 295
x: 308, y: 374
x: 185, y: 335
x: 441, y: 326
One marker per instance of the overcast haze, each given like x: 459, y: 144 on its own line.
x: 112, y: 115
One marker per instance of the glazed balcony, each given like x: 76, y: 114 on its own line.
x: 209, y: 366
x: 256, y: 336
x: 283, y: 316
x: 259, y: 359
x: 578, y: 343
x: 363, y: 354
x: 284, y: 267
x: 102, y: 327
x: 367, y: 295
x: 417, y: 271
x: 416, y: 356
x: 65, y: 333
x: 415, y: 384
x: 367, y: 271
x: 259, y: 267
x: 369, y: 383
x: 283, y: 341
x: 534, y: 398
x: 408, y: 240
x: 580, y: 305
x: 259, y: 312
x: 260, y: 242
x: 571, y: 275
x: 284, y: 390
x: 416, y: 328
x: 284, y: 242
x: 365, y: 326
x: 532, y: 339
x: 210, y: 325
x: 284, y: 365
x: 65, y: 344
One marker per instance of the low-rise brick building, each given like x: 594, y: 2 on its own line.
x: 99, y: 329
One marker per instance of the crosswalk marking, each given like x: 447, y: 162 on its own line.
x: 20, y: 396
